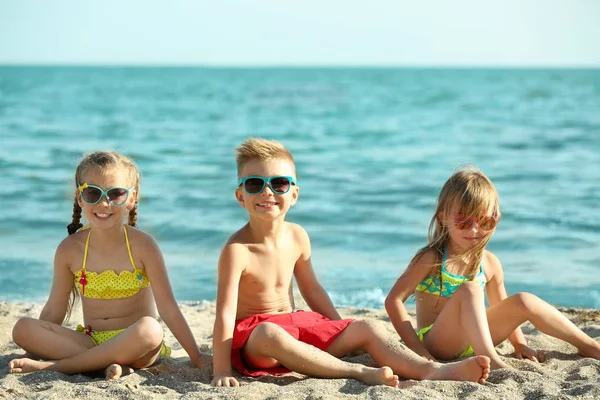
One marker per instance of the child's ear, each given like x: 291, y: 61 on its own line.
x: 295, y: 194
x: 79, y: 200
x: 239, y: 197
x: 131, y: 200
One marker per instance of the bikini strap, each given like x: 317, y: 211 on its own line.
x: 481, y: 271
x: 85, y: 252
x: 129, y: 248
x: 442, y: 268
x: 444, y: 260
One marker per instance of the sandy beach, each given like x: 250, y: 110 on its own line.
x: 563, y: 375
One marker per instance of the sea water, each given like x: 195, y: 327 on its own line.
x: 372, y: 146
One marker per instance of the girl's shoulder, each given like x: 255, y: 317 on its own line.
x: 488, y: 255
x: 424, y: 258
x: 135, y: 233
x: 139, y: 239
x: 491, y: 263
x: 74, y: 242
x: 70, y: 251
x: 427, y: 255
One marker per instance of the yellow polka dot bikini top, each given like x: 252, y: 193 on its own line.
x: 108, y: 284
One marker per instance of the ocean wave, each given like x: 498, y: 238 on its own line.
x: 370, y: 298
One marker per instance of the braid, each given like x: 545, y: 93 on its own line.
x: 72, y: 228
x: 133, y: 215
x: 75, y: 224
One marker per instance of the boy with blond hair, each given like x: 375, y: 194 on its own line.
x: 257, y: 330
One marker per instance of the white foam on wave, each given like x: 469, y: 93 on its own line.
x: 372, y: 298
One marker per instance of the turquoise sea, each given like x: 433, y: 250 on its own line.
x: 373, y: 148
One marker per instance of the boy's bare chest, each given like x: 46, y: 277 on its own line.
x: 270, y: 268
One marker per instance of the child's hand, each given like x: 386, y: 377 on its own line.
x: 522, y: 350
x: 224, y: 381
x: 197, y: 362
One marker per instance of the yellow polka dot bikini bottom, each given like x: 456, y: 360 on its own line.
x: 102, y: 336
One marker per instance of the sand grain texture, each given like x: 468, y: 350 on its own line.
x: 564, y: 374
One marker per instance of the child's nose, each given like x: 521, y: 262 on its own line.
x: 268, y: 186
x: 104, y: 200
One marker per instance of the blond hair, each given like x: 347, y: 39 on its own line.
x: 261, y: 150
x: 102, y: 161
x: 476, y: 195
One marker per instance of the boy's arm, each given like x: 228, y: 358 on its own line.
x: 313, y: 293
x: 394, y: 303
x: 232, y: 263
x: 57, y: 304
x: 496, y: 292
x: 165, y: 300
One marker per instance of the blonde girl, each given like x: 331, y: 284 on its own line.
x: 118, y: 272
x: 448, y: 278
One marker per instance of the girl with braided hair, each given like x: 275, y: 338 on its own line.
x: 111, y: 267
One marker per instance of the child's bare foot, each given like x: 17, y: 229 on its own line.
x: 24, y: 365
x: 475, y: 369
x: 115, y: 371
x: 593, y: 350
x: 379, y: 376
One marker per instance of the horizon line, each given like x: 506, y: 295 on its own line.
x: 297, y: 66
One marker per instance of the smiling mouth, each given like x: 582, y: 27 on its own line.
x: 267, y: 204
x: 102, y: 215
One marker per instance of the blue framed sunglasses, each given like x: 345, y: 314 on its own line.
x: 256, y: 184
x: 92, y: 194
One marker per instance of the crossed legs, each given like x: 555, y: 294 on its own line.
x: 71, y: 352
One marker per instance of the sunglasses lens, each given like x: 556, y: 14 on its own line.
x: 91, y: 195
x: 280, y: 185
x: 487, y: 223
x: 254, y: 185
x: 117, y: 196
x: 462, y: 223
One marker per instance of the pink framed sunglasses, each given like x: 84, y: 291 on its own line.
x: 485, y: 223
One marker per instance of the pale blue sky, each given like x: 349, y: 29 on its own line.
x: 302, y: 32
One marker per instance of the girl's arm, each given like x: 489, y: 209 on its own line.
x: 57, y: 305
x: 496, y: 292
x: 231, y: 266
x: 165, y: 300
x: 313, y: 293
x: 394, y: 302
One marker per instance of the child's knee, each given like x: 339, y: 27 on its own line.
x: 525, y: 301
x: 22, y: 328
x: 470, y: 290
x: 149, y: 331
x: 369, y: 328
x: 267, y: 331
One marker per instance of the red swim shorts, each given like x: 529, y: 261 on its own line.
x: 307, y: 327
